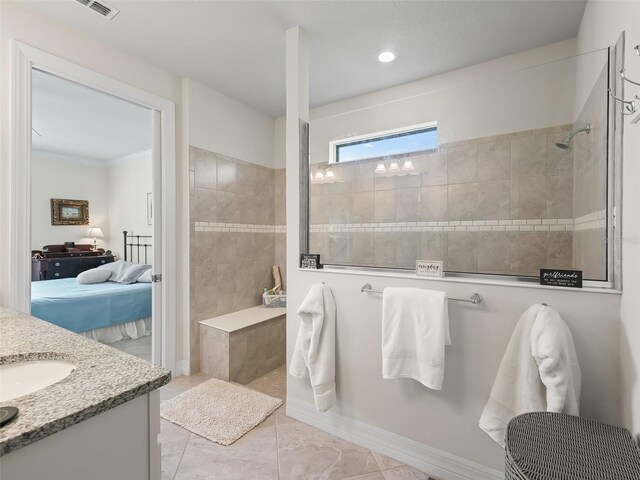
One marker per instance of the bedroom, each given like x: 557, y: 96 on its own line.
x: 91, y: 183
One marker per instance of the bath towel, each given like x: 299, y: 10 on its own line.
x: 539, y: 372
x: 415, y: 329
x: 314, y: 354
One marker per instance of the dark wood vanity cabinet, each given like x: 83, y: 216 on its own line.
x: 66, y: 267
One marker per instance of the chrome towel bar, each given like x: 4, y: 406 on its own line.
x: 475, y: 298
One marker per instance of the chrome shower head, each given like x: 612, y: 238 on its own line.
x: 565, y: 143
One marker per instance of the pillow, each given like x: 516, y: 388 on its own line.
x: 145, y: 277
x: 124, y: 272
x: 95, y: 275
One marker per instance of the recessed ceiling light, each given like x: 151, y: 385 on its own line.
x: 386, y: 56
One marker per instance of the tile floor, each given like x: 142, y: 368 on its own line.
x: 280, y: 448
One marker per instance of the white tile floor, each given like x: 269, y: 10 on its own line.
x: 280, y: 448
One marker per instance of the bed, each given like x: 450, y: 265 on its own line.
x: 106, y: 312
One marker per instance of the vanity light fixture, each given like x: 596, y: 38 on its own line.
x: 386, y: 56
x: 393, y: 166
x: 328, y: 173
x: 407, y: 165
x: 380, y: 168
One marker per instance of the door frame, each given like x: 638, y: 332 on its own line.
x: 23, y: 59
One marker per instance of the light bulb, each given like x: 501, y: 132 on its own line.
x: 380, y: 168
x: 393, y: 166
x: 319, y: 175
x: 386, y: 56
x: 329, y: 173
x: 408, y: 165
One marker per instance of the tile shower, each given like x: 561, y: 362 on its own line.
x: 237, y: 216
x: 494, y: 205
x: 507, y: 204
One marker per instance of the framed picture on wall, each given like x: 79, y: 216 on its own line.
x: 69, y: 212
x: 149, y: 208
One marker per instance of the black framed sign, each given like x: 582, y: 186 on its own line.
x: 561, y: 278
x: 310, y: 261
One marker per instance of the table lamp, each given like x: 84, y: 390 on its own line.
x: 95, y: 232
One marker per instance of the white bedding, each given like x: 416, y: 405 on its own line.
x: 124, y: 331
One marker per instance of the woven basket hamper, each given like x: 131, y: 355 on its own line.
x: 554, y: 446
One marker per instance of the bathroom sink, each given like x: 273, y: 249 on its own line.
x: 21, y: 378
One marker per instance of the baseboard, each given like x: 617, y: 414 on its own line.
x: 418, y: 455
x: 182, y: 368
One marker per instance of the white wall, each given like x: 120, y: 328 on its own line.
x: 448, y: 419
x: 515, y: 95
x: 130, y: 179
x: 221, y: 124
x: 54, y: 176
x: 601, y: 26
x: 116, y: 191
x: 25, y: 26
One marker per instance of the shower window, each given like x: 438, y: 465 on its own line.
x: 393, y: 143
x: 516, y: 177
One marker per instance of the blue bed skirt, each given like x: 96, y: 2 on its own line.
x: 80, y: 308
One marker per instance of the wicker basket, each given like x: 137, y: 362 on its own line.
x: 554, y: 446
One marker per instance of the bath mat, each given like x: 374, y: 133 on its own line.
x: 219, y: 411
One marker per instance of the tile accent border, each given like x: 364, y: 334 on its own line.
x: 441, y: 464
x: 591, y: 221
x: 530, y: 225
x: 238, y: 227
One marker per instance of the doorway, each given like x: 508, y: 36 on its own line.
x: 31, y: 66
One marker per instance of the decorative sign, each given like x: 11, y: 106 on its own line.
x: 429, y: 268
x: 561, y: 278
x: 310, y: 261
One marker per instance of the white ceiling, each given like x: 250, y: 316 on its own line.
x: 80, y: 122
x: 237, y: 47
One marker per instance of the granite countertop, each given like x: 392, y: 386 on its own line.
x: 104, y: 378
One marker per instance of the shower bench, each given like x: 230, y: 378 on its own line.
x: 243, y: 345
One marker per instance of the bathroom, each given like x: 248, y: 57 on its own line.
x: 491, y: 160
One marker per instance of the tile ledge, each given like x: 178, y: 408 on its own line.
x: 471, y: 281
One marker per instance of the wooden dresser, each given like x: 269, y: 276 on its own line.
x: 65, y: 267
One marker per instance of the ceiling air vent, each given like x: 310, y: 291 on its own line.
x: 100, y: 7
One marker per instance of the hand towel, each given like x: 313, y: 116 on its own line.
x: 415, y: 329
x: 539, y: 372
x: 314, y: 354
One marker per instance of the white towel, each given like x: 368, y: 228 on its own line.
x: 539, y: 372
x: 415, y: 329
x: 314, y: 355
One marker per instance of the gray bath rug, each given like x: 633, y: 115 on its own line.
x: 219, y: 411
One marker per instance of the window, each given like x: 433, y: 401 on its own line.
x: 408, y: 140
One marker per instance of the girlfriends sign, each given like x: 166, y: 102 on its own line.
x: 561, y: 278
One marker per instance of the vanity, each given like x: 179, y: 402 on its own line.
x: 86, y: 410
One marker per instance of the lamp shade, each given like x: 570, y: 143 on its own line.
x: 95, y: 232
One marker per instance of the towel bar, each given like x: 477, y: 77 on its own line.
x: 475, y: 298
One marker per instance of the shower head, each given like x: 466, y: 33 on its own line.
x: 565, y: 143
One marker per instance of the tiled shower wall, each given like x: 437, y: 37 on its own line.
x: 590, y: 179
x: 500, y: 204
x: 237, y: 212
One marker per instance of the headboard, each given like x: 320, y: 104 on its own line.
x: 133, y: 241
